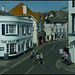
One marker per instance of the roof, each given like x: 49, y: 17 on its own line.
x: 18, y: 10
x: 3, y: 13
x: 57, y: 20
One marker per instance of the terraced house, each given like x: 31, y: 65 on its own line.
x: 55, y: 28
x: 22, y: 10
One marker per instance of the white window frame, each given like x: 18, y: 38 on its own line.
x: 28, y: 28
x: 9, y: 48
x: 16, y: 30
x: 24, y: 29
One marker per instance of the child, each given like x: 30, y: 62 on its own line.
x: 41, y: 58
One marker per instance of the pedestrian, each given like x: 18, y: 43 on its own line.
x: 37, y: 58
x: 66, y: 57
x: 69, y: 60
x: 32, y: 60
x: 63, y: 52
x: 41, y: 58
x: 60, y: 52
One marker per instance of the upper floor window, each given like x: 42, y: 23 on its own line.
x: 52, y: 29
x: 73, y: 24
x: 28, y: 29
x: 11, y: 29
x: 24, y: 29
x: 73, y: 3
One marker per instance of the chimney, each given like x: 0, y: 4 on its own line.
x: 3, y: 8
x: 24, y: 9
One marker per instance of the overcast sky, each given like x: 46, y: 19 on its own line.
x: 36, y: 6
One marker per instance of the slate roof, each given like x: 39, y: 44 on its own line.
x: 57, y: 20
x: 3, y: 13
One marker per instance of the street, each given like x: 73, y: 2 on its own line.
x: 50, y: 52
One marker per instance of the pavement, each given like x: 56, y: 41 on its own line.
x: 11, y: 63
x: 61, y: 65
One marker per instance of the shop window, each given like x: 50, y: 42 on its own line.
x: 11, y: 48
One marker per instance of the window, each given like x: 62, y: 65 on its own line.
x: 60, y: 29
x: 23, y: 29
x: 63, y: 29
x: 28, y: 29
x: 18, y: 48
x: 52, y: 29
x: 73, y: 24
x: 27, y: 44
x: 56, y: 30
x: 11, y: 29
x: 11, y: 48
x: 3, y: 29
x: 31, y: 43
x: 73, y: 3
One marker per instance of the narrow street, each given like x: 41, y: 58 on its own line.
x: 50, y: 52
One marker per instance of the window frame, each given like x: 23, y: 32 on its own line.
x: 24, y: 29
x: 73, y: 23
x: 16, y: 29
x: 8, y: 49
x: 73, y: 3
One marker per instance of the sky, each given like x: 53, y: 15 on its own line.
x: 36, y: 6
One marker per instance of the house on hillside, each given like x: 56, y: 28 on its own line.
x: 23, y: 10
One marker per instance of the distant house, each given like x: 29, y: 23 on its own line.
x: 22, y: 9
x: 57, y: 28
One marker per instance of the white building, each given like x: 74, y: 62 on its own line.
x: 35, y: 27
x: 16, y: 35
x: 48, y: 31
x: 56, y: 28
x: 71, y: 28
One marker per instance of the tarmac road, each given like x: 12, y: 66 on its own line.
x: 50, y: 52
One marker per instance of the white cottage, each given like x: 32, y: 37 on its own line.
x: 16, y: 35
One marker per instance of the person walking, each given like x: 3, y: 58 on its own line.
x: 60, y: 52
x: 32, y: 60
x: 41, y: 58
x: 69, y: 60
x: 37, y: 58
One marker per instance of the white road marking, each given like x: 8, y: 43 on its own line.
x: 47, y: 53
x: 52, y: 48
x: 29, y: 70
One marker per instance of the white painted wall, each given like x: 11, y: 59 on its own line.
x: 15, y: 20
